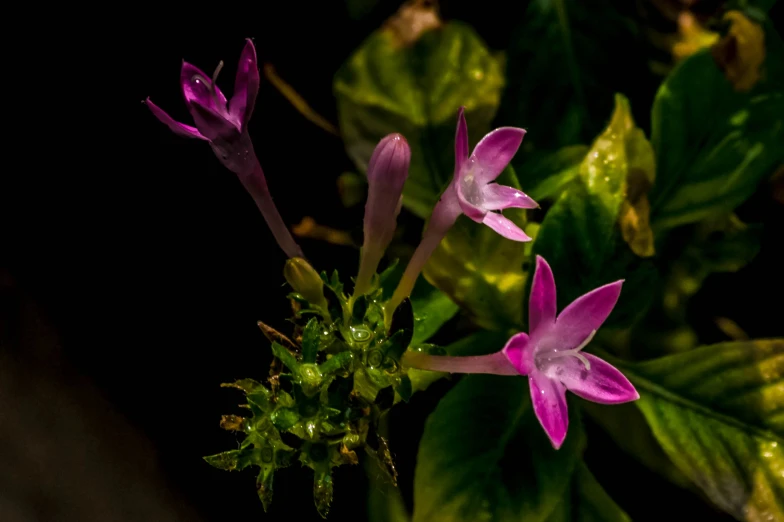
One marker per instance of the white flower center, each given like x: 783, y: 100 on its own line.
x: 472, y: 192
x: 546, y: 358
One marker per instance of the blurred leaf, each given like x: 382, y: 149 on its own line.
x: 765, y: 5
x: 579, y: 235
x: 385, y: 501
x: 741, y: 52
x: 484, y: 456
x: 480, y: 270
x: 352, y: 189
x: 689, y: 256
x: 416, y: 90
x: 588, y: 502
x: 691, y: 37
x: 545, y: 174
x: 481, y: 342
x: 358, y: 9
x: 566, y: 61
x: 627, y: 427
x: 724, y: 244
x: 593, y: 502
x: 717, y: 412
x: 713, y: 145
x: 432, y: 308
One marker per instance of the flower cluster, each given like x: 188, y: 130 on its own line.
x: 347, y: 361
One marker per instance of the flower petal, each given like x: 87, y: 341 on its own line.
x: 461, y: 141
x: 520, y: 353
x: 603, y: 383
x: 542, y: 304
x: 246, y: 85
x: 505, y: 227
x: 213, y: 125
x: 585, y: 315
x: 499, y: 197
x: 494, y: 152
x: 549, y: 399
x: 175, y: 126
x: 196, y: 88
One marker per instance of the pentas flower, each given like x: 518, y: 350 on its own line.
x: 473, y: 193
x: 224, y: 125
x: 551, y: 354
x: 386, y: 173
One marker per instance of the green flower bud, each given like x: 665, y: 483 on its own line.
x: 305, y: 281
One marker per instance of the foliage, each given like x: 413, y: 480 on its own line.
x: 638, y: 179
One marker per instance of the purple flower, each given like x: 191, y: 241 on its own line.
x: 386, y: 173
x: 473, y: 193
x: 224, y: 125
x: 474, y: 190
x: 551, y: 355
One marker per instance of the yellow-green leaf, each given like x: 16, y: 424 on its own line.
x: 580, y: 236
x: 718, y: 412
x: 416, y: 90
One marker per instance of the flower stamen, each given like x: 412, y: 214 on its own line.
x: 214, y: 80
x: 585, y: 343
x: 574, y: 352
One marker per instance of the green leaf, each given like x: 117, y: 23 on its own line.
x: 260, y: 399
x: 484, y: 456
x: 566, y: 61
x: 586, y: 501
x: 416, y: 90
x: 359, y: 309
x: 284, y: 418
x: 432, y: 308
x: 590, y: 502
x: 718, y: 412
x: 285, y: 356
x: 385, y: 501
x: 405, y: 389
x: 579, y: 236
x: 395, y: 345
x: 246, y: 385
x: 311, y: 336
x: 339, y: 361
x: 234, y: 459
x: 482, y: 342
x: 402, y: 323
x: 627, y: 427
x: 480, y: 270
x: 713, y: 145
x: 547, y: 173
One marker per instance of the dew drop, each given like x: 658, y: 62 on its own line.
x: 360, y: 334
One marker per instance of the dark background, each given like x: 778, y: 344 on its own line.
x: 135, y: 268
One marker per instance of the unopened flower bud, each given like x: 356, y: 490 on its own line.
x: 387, y: 173
x: 305, y: 281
